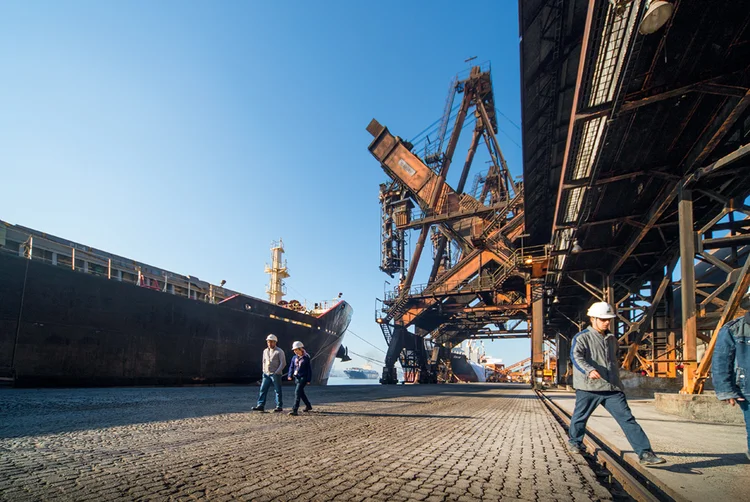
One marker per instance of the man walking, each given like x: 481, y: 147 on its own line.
x: 731, y: 367
x: 274, y: 361
x: 301, y: 371
x: 596, y: 379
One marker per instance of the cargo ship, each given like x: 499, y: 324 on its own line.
x: 361, y: 373
x: 72, y: 315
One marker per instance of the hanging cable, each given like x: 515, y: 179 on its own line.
x: 506, y: 118
x: 304, y: 300
x: 429, y: 127
x: 355, y: 334
x: 370, y: 359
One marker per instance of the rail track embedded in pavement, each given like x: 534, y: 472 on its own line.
x: 633, y: 478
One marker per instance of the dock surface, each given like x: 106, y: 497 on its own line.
x: 394, y: 443
x: 705, y: 461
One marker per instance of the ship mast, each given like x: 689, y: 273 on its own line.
x: 278, y: 271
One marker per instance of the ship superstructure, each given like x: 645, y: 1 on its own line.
x: 278, y: 271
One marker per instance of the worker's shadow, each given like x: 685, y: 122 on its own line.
x: 710, y: 460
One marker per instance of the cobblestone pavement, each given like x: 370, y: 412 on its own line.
x: 395, y: 443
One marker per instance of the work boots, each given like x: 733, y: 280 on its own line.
x: 576, y: 447
x: 649, y: 458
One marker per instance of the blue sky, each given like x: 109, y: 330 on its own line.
x: 189, y: 135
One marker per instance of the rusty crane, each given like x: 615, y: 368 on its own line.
x: 486, y: 282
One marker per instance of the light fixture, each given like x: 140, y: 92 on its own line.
x: 657, y: 15
x: 576, y: 247
x: 527, y: 260
x: 555, y: 299
x: 379, y: 320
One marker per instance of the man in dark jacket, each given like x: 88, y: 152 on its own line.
x: 300, y: 370
x: 596, y: 378
x: 731, y: 367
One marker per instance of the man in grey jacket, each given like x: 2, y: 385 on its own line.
x: 273, y: 363
x: 596, y: 378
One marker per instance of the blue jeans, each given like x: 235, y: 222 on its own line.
x: 299, y: 393
x: 269, y: 380
x: 745, y: 407
x: 617, y: 406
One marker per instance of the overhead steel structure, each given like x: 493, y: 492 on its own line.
x: 478, y: 284
x: 636, y: 172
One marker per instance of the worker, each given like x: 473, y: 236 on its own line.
x: 300, y: 371
x: 273, y: 362
x: 596, y: 379
x: 731, y: 366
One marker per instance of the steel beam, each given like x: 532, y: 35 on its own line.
x: 736, y: 155
x: 574, y: 108
x: 437, y: 189
x: 687, y: 285
x: 604, y: 181
x: 706, y: 87
x: 459, y: 190
x: 508, y: 181
x: 655, y: 300
x: 722, y: 242
x: 695, y: 385
x: 461, y: 272
x: 564, y: 367
x: 455, y: 216
x: 537, y: 327
x: 657, y: 210
x: 591, y: 289
x: 734, y: 114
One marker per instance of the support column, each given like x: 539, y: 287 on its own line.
x: 390, y: 376
x: 609, y: 297
x: 537, y: 334
x: 687, y: 289
x: 564, y: 377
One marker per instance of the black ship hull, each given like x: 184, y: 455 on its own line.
x: 63, y: 328
x: 462, y: 368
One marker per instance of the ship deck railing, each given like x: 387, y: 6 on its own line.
x: 84, y: 260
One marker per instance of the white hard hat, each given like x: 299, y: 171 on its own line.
x: 601, y: 310
x: 298, y: 345
x: 272, y: 338
x: 745, y: 301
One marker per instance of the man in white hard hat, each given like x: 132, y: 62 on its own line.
x: 730, y: 369
x: 596, y: 378
x: 274, y: 361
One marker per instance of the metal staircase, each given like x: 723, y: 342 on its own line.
x: 387, y: 333
x: 398, y: 308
